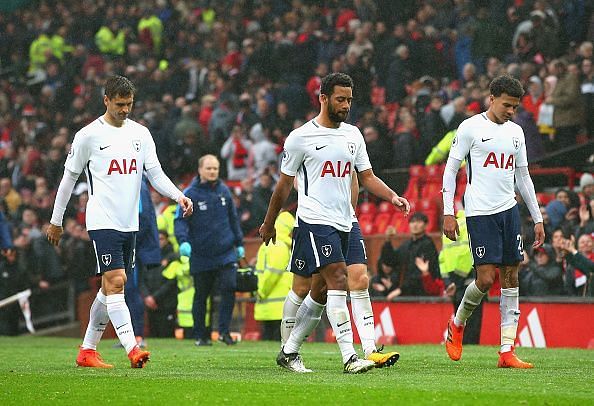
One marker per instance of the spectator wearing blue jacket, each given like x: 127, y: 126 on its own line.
x: 213, y: 240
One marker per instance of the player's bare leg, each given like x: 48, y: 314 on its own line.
x: 509, y: 308
x: 112, y: 283
x: 358, y: 281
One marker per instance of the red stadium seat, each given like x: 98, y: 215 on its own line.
x: 366, y: 208
x: 544, y: 198
x: 386, y: 207
x: 382, y: 221
x: 366, y: 224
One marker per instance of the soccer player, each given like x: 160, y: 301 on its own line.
x: 358, y: 283
x: 323, y: 153
x: 113, y: 150
x: 495, y: 153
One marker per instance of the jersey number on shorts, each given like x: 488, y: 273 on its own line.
x: 520, y: 244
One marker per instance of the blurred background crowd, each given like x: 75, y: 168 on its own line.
x: 233, y: 78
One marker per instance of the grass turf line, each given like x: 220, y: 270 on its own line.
x: 41, y: 370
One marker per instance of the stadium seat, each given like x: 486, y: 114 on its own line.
x: 366, y: 224
x: 400, y: 222
x: 544, y: 198
x: 366, y: 208
x: 386, y: 207
x: 382, y: 221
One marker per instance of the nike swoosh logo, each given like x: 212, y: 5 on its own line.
x: 486, y: 139
x: 102, y: 148
x: 319, y: 148
x: 368, y: 317
x: 342, y: 324
x: 117, y: 328
x: 103, y: 324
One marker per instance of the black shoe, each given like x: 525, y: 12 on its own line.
x: 227, y: 339
x: 203, y: 342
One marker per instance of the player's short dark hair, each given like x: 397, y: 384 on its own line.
x: 119, y: 86
x: 335, y: 79
x: 506, y: 84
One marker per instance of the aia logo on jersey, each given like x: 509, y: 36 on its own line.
x: 336, y: 169
x: 499, y: 162
x: 123, y: 167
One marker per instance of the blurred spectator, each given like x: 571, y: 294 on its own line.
x: 580, y: 265
x: 415, y: 260
x: 587, y: 88
x: 236, y: 151
x: 567, y: 101
x: 378, y: 149
x: 543, y: 276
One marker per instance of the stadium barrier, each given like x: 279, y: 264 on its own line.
x: 545, y: 322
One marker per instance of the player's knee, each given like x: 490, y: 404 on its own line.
x: 484, y: 282
x: 358, y: 280
x: 115, y: 283
x: 301, y: 286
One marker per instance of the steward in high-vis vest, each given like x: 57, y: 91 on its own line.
x: 456, y: 268
x: 274, y: 281
x: 180, y: 271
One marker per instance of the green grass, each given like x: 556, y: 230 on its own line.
x: 39, y: 370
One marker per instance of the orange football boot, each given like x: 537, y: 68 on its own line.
x: 90, y: 359
x: 138, y: 358
x: 454, y: 340
x: 509, y: 359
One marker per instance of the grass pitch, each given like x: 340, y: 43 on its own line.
x: 41, y: 370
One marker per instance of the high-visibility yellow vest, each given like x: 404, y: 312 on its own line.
x: 455, y: 256
x: 38, y: 52
x: 155, y: 26
x: 180, y: 270
x: 165, y: 222
x: 109, y: 43
x: 274, y: 281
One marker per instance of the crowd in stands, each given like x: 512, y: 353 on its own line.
x: 233, y: 78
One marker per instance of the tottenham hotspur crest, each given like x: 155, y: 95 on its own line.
x: 516, y: 142
x: 351, y: 146
x: 136, y: 145
x: 106, y: 259
x: 326, y: 250
x: 480, y: 251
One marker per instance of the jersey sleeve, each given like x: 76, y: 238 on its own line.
x: 362, y: 162
x: 79, y: 154
x: 150, y: 154
x: 462, y: 142
x: 522, y: 158
x: 293, y: 155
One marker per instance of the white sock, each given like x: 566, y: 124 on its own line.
x: 290, y: 308
x: 119, y: 314
x: 307, y: 318
x: 363, y: 315
x: 340, y: 320
x: 509, y: 307
x: 472, y: 298
x: 98, y: 320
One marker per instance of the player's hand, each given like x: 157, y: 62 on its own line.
x: 54, y: 233
x: 539, y: 235
x: 450, y: 227
x: 401, y: 204
x: 150, y: 302
x: 451, y: 290
x: 267, y: 232
x: 186, y: 205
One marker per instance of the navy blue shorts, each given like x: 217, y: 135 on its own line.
x: 316, y: 245
x: 357, y: 253
x: 496, y: 238
x: 113, y: 249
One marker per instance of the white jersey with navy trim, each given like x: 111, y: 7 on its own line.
x: 323, y: 160
x: 113, y: 158
x: 492, y: 152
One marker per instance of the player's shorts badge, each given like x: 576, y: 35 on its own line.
x: 351, y: 146
x: 299, y: 263
x: 326, y: 250
x: 480, y: 251
x: 516, y: 142
x: 106, y: 259
x: 136, y: 145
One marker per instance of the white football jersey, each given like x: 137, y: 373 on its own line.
x: 492, y: 152
x: 113, y: 158
x: 323, y: 159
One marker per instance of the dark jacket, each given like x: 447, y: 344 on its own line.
x: 545, y: 280
x: 213, y: 230
x: 147, y: 238
x: 403, y: 259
